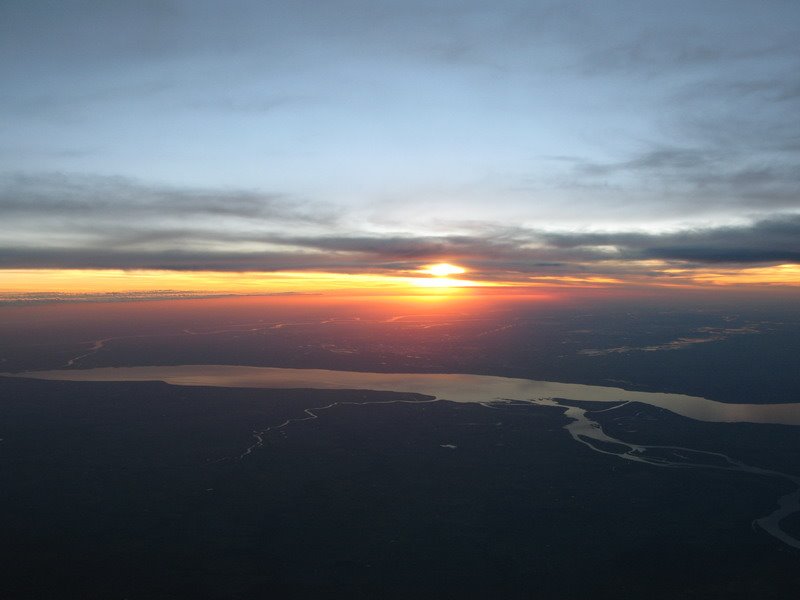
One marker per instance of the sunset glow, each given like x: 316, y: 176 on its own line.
x: 438, y: 277
x: 443, y: 270
x: 407, y: 171
x: 322, y: 299
x: 117, y: 281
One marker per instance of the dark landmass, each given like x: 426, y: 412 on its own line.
x: 774, y: 447
x: 116, y: 490
x: 134, y: 490
x: 743, y: 353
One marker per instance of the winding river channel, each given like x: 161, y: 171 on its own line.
x: 492, y: 392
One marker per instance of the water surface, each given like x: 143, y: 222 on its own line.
x: 453, y: 387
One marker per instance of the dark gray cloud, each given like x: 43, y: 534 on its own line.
x: 114, y: 223
x: 773, y: 240
x: 769, y: 241
x: 26, y: 299
x: 704, y: 178
x: 171, y: 260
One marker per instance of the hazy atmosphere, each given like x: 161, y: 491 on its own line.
x: 637, y: 142
x: 399, y: 299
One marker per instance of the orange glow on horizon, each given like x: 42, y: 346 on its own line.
x: 788, y: 274
x: 445, y: 282
x: 219, y: 282
x: 434, y: 280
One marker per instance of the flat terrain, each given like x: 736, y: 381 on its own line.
x: 745, y: 353
x: 117, y: 490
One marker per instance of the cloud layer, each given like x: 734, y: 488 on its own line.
x: 576, y: 114
x: 62, y: 222
x: 524, y: 139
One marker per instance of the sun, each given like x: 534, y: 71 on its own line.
x: 442, y: 270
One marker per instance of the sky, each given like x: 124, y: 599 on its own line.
x: 282, y: 146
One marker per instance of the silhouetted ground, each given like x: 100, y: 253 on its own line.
x: 742, y: 352
x: 110, y: 490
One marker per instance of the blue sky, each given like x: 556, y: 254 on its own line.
x: 386, y: 119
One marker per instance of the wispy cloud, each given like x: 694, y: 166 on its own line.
x: 59, y: 195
